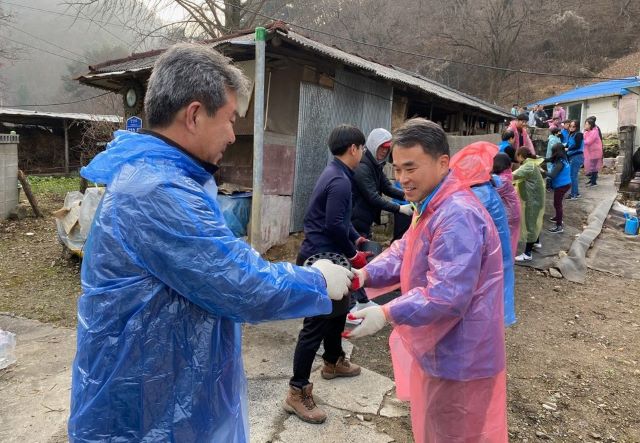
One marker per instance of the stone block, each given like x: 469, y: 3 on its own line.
x: 362, y: 394
x: 339, y: 428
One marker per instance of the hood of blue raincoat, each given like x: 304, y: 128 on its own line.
x: 129, y: 147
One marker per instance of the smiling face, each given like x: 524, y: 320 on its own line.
x: 418, y: 172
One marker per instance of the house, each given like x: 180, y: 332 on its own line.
x: 309, y: 89
x: 55, y: 142
x: 614, y: 103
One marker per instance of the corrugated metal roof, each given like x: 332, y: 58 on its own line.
x: 404, y: 77
x: 393, y: 74
x: 60, y: 115
x: 603, y: 89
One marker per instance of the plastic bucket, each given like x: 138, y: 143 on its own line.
x: 631, y: 225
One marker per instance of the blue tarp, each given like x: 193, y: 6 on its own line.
x: 603, y: 89
x: 236, y: 210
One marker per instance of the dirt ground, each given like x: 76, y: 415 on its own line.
x: 573, y: 356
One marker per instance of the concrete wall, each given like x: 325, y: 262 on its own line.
x: 8, y: 174
x: 457, y: 142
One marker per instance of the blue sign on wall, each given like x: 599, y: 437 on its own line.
x: 134, y: 124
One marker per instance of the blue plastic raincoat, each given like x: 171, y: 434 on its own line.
x: 166, y: 286
x: 475, y: 163
x: 447, y: 345
x: 490, y: 199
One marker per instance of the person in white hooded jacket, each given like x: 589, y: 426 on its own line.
x: 370, y: 184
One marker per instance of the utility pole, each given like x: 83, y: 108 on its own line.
x: 258, y: 140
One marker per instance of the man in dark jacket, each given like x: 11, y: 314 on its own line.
x: 371, y: 184
x: 327, y: 228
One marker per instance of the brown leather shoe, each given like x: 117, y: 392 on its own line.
x: 342, y: 368
x: 300, y: 402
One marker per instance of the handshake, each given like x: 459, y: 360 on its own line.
x: 339, y: 280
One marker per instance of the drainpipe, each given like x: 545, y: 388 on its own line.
x: 65, y: 126
x: 258, y: 141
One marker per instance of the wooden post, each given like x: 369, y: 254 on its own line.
x: 26, y: 187
x: 66, y: 146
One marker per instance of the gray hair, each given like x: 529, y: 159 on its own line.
x: 419, y: 131
x: 189, y: 72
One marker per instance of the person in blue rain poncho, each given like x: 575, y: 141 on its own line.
x: 476, y: 163
x: 165, y: 284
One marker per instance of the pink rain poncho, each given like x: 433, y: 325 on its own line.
x: 511, y: 202
x: 525, y: 138
x: 592, y: 151
x: 447, y: 346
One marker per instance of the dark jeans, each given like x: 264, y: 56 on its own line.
x: 593, y: 178
x: 558, y: 196
x: 316, y: 330
x: 575, y: 162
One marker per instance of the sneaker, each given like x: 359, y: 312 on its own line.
x: 342, y: 368
x: 300, y: 402
x: 591, y: 185
x: 537, y: 245
x: 552, y: 219
x: 556, y: 229
x: 523, y: 257
x: 574, y: 197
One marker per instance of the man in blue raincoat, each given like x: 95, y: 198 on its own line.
x: 165, y: 283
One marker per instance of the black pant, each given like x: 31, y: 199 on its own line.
x: 316, y: 330
x: 528, y: 248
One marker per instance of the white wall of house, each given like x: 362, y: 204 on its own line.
x: 605, y: 109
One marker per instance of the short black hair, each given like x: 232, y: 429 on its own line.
x: 507, y: 135
x: 344, y: 136
x: 419, y: 131
x: 501, y: 162
x: 523, y: 117
x: 554, y: 131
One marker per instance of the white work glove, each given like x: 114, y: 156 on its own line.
x: 406, y: 210
x: 373, y: 319
x: 338, y: 278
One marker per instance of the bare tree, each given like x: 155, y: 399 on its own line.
x: 201, y: 18
x: 489, y: 32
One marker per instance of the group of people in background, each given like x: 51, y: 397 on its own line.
x: 568, y: 150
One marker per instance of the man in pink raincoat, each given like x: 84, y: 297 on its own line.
x: 447, y: 345
x: 519, y: 128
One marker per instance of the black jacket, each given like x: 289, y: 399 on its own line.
x: 370, y: 183
x: 327, y: 222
